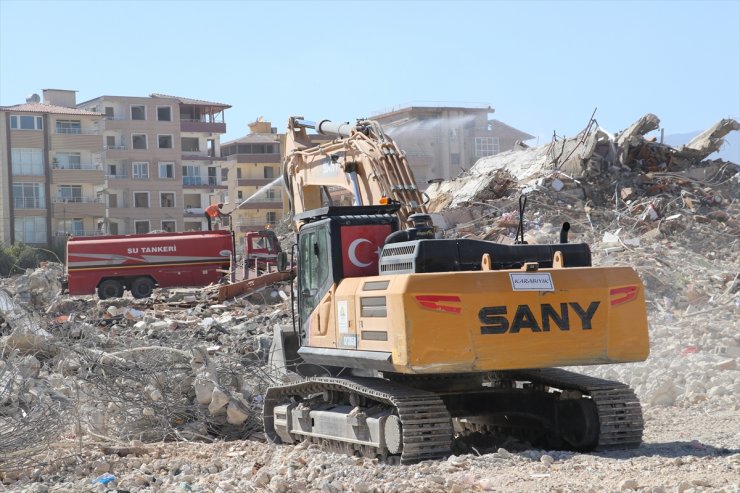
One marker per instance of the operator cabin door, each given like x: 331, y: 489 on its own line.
x: 316, y: 286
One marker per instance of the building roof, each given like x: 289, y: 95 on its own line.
x: 47, y: 108
x: 521, y: 135
x: 190, y: 101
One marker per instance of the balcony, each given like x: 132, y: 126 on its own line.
x: 117, y: 176
x: 65, y: 207
x: 194, y: 211
x: 201, y: 182
x: 77, y: 173
x: 199, y: 156
x: 76, y: 139
x: 187, y: 125
x: 262, y: 203
x: 256, y: 158
x: 77, y: 131
x: 253, y: 182
x: 77, y: 232
x: 28, y: 203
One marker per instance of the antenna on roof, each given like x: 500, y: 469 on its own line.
x: 33, y: 98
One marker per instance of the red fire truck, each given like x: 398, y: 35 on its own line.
x: 139, y: 263
x: 261, y: 250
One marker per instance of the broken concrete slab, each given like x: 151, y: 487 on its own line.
x: 708, y: 142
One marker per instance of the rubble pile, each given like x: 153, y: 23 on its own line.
x: 106, y: 395
x: 175, y: 367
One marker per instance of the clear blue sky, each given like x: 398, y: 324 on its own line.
x: 543, y: 66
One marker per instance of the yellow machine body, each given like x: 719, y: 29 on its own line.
x: 456, y: 322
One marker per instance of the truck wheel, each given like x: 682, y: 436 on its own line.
x: 110, y: 288
x: 142, y: 287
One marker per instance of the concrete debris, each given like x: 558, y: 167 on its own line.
x: 107, y: 383
x: 592, y: 155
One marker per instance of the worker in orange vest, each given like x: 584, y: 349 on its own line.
x: 212, y: 212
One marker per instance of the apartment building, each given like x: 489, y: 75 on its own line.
x: 50, y: 180
x: 442, y: 141
x: 254, y: 179
x: 161, y: 161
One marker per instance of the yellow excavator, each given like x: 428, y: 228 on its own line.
x: 411, y: 345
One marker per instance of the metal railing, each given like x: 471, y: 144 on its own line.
x: 77, y: 200
x: 78, y: 232
x: 116, y: 148
x: 197, y: 120
x: 77, y: 131
x: 28, y: 203
x: 200, y: 181
x: 118, y: 176
x: 275, y: 199
x: 76, y: 166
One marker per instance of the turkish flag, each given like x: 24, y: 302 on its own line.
x: 361, y: 246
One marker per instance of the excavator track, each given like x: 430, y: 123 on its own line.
x: 619, y: 411
x: 425, y: 424
x: 425, y: 428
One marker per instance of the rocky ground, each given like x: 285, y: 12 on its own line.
x: 165, y: 395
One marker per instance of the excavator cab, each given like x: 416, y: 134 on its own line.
x: 335, y: 243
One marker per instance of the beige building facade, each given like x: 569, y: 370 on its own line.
x: 111, y: 165
x: 256, y: 192
x: 51, y: 183
x: 161, y: 160
x: 442, y: 141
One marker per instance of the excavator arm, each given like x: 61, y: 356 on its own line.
x: 360, y: 159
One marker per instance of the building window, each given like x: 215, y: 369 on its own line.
x: 169, y: 226
x: 486, y: 146
x: 192, y: 226
x: 165, y: 141
x: 28, y: 196
x: 74, y: 227
x: 270, y: 193
x: 164, y: 113
x: 68, y: 160
x: 190, y: 144
x: 239, y: 195
x: 69, y: 193
x: 238, y: 173
x: 30, y: 229
x: 271, y: 218
x: 113, y: 200
x: 190, y: 175
x: 141, y: 227
x: 141, y: 200
x: 26, y: 122
x: 166, y: 170
x: 138, y: 141
x: 27, y: 162
x: 269, y: 172
x: 109, y: 112
x: 166, y: 199
x: 110, y: 141
x: 138, y: 112
x: 69, y: 127
x: 455, y: 159
x: 140, y: 171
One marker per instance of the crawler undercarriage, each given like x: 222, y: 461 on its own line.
x: 414, y: 418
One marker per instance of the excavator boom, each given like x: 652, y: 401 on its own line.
x: 361, y: 160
